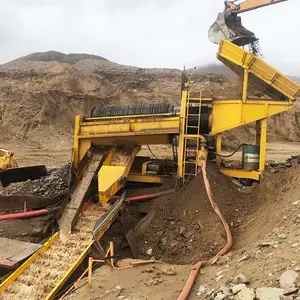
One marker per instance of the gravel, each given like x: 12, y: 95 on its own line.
x: 55, y: 184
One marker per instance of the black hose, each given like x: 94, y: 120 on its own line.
x: 234, y: 152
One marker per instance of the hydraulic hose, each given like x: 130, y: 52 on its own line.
x: 195, y: 269
x: 234, y: 152
x: 27, y: 214
x: 149, y: 196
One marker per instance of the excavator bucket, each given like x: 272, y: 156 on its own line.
x: 22, y: 174
x: 228, y: 26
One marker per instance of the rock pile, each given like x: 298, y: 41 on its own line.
x: 55, y: 184
x: 238, y: 289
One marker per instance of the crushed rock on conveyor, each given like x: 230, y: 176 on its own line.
x: 121, y: 158
x: 37, y: 281
x: 56, y: 183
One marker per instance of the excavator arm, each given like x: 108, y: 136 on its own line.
x: 248, y: 5
x: 228, y: 25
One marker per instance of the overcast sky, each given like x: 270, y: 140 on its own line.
x: 145, y: 33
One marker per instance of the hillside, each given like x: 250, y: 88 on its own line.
x: 39, y: 97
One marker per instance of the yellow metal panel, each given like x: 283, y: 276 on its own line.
x: 108, y: 175
x: 9, y: 280
x: 235, y: 57
x: 130, y: 127
x: 227, y: 115
x: 241, y: 173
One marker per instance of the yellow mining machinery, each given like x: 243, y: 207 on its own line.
x: 120, y: 132
x: 107, y: 142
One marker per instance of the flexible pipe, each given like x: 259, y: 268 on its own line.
x: 26, y: 214
x: 149, y: 196
x: 195, y: 270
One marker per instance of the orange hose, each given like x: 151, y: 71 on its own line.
x: 149, y: 196
x: 27, y: 214
x: 195, y: 270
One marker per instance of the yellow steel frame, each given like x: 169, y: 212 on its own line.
x: 9, y: 280
x: 137, y: 131
x: 226, y: 114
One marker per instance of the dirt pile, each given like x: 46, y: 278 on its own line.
x: 185, y: 229
x: 55, y: 184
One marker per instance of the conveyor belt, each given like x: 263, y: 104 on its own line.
x: 261, y: 74
x: 51, y: 268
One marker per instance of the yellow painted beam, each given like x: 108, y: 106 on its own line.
x: 219, y: 149
x: 240, y: 173
x: 135, y: 177
x: 76, y: 141
x: 9, y: 280
x: 161, y: 138
x: 130, y: 127
x: 263, y: 145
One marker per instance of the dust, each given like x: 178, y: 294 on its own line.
x: 255, y: 48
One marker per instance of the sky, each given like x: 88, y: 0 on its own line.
x: 144, y: 33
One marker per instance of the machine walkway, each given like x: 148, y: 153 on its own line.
x: 43, y: 278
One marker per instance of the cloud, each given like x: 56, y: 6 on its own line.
x: 146, y: 33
